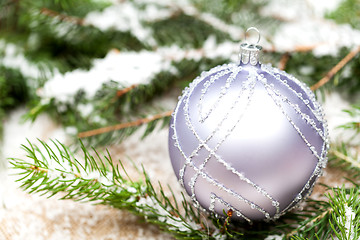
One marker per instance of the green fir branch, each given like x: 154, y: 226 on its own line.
x: 347, y: 12
x: 354, y: 124
x: 14, y: 91
x: 185, y: 31
x: 53, y: 170
x: 345, y: 221
x: 341, y: 157
x: 112, y: 105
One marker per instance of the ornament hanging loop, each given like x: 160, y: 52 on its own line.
x: 256, y: 30
x: 250, y: 53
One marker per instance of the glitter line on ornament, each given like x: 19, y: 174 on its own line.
x: 274, y: 72
x: 277, y: 102
x: 214, y: 197
x: 188, y: 160
x: 185, y: 95
x: 199, y: 171
x: 219, y: 159
x: 321, y: 159
x: 252, y: 79
x: 231, y: 193
x: 297, y: 109
x: 223, y: 91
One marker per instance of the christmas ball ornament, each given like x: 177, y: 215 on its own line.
x: 249, y: 138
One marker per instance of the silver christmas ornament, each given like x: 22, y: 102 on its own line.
x: 248, y: 138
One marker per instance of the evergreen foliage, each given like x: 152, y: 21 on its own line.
x: 348, y: 12
x: 54, y: 37
x: 53, y: 170
x: 13, y: 91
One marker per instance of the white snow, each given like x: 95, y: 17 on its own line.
x: 85, y: 109
x: 299, y: 9
x: 333, y: 106
x: 13, y: 57
x: 347, y: 221
x: 126, y: 16
x: 274, y: 237
x: 304, y: 25
x: 127, y: 68
x: 321, y: 7
x: 149, y: 205
x: 326, y: 36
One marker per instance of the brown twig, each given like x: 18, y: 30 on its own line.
x: 300, y: 48
x: 121, y: 92
x: 283, y: 61
x: 335, y: 69
x: 123, y: 125
x: 37, y: 168
x: 228, y: 216
x: 62, y: 17
x: 305, y: 48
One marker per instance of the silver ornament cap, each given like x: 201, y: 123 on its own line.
x: 250, y: 53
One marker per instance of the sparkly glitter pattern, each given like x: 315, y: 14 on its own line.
x: 209, y: 120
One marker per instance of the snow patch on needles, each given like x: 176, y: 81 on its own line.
x: 304, y: 25
x: 125, y: 68
x: 128, y: 68
x: 347, y: 222
x: 275, y: 237
x: 326, y: 36
x: 149, y: 205
x: 126, y: 16
x: 57, y: 166
x: 13, y: 57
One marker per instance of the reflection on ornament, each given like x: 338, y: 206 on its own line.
x: 248, y: 138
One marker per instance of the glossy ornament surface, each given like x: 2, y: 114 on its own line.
x: 248, y: 137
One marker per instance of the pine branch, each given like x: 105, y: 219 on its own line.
x: 336, y: 68
x: 53, y: 170
x: 347, y: 12
x: 14, y: 91
x: 340, y: 156
x: 345, y: 221
x: 123, y: 91
x: 353, y: 162
x: 113, y: 103
x: 354, y: 123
